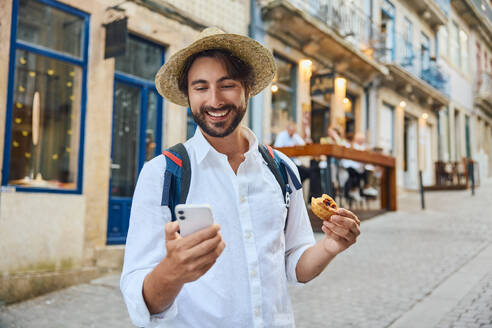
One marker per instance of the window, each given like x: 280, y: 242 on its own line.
x: 190, y: 124
x: 46, y: 97
x: 407, y: 40
x: 388, y: 29
x: 443, y: 41
x: 283, y: 94
x: 464, y: 51
x: 455, y: 46
x: 425, y: 52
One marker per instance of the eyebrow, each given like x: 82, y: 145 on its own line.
x: 198, y: 82
x: 222, y: 79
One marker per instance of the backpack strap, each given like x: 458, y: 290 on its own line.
x: 280, y: 170
x: 177, y: 177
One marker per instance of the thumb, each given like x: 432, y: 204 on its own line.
x: 171, y: 229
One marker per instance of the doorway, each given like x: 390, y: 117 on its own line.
x: 137, y: 129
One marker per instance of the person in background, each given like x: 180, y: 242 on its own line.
x: 358, y: 172
x: 289, y: 138
x: 333, y: 136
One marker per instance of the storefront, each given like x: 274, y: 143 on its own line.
x: 79, y: 127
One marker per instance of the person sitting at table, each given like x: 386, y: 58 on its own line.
x: 289, y: 138
x: 358, y: 172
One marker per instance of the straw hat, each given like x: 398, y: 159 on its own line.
x: 245, y: 48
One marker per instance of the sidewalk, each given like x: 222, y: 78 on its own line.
x: 400, y: 260
x: 411, y: 268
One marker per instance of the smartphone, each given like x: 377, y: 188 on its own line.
x: 193, y: 217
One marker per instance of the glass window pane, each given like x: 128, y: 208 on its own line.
x: 141, y: 59
x: 455, y: 48
x: 45, y: 122
x: 48, y: 27
x: 125, y: 140
x: 150, y: 131
x: 443, y: 41
x: 464, y: 50
x: 282, y: 104
x: 284, y: 72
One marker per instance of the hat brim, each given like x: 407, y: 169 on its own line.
x: 250, y: 51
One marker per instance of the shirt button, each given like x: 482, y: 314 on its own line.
x: 257, y: 311
x: 242, y: 199
x: 247, y: 235
x: 253, y: 273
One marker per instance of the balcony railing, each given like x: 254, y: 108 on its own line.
x: 347, y: 20
x: 416, y: 61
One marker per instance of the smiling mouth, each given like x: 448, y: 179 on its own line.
x: 217, y: 115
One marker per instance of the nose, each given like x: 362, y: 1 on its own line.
x: 217, y: 100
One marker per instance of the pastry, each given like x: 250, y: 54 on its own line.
x: 324, y: 207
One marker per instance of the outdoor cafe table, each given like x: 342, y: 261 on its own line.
x: 388, y: 179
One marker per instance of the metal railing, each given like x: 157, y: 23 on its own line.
x: 417, y: 62
x: 347, y: 20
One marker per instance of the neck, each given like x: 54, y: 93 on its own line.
x: 232, y: 145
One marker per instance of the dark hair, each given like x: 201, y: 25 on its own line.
x: 236, y: 68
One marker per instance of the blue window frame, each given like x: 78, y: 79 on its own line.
x: 137, y: 128
x: 388, y: 28
x: 40, y: 59
x: 407, y: 39
x: 425, y: 52
x: 190, y: 124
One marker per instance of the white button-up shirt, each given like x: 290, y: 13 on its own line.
x: 247, y: 286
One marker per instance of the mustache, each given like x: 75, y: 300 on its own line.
x: 217, y: 109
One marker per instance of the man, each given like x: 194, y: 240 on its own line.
x: 288, y: 138
x: 358, y: 172
x: 236, y: 277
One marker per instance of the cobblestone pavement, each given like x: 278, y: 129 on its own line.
x: 399, y: 259
x: 95, y: 305
x: 474, y: 310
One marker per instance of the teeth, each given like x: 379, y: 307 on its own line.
x: 220, y: 114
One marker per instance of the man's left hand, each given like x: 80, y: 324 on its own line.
x: 341, y: 231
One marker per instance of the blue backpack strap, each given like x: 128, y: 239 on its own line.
x: 177, y: 177
x: 280, y: 170
x: 274, y: 166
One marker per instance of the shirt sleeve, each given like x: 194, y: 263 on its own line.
x: 298, y: 234
x: 279, y: 140
x: 145, y: 243
x: 299, y: 140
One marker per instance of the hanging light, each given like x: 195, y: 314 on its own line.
x: 425, y: 116
x: 274, y: 88
x: 35, y: 118
x: 403, y: 104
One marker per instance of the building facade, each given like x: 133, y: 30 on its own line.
x: 77, y: 127
x: 413, y: 76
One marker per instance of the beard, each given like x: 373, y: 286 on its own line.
x: 220, y: 129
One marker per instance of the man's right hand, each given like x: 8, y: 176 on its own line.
x: 187, y: 259
x: 192, y: 256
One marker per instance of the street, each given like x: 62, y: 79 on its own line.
x: 410, y: 268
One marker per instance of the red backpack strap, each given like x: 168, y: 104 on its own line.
x: 173, y: 157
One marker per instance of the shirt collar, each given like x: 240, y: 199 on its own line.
x: 202, y: 147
